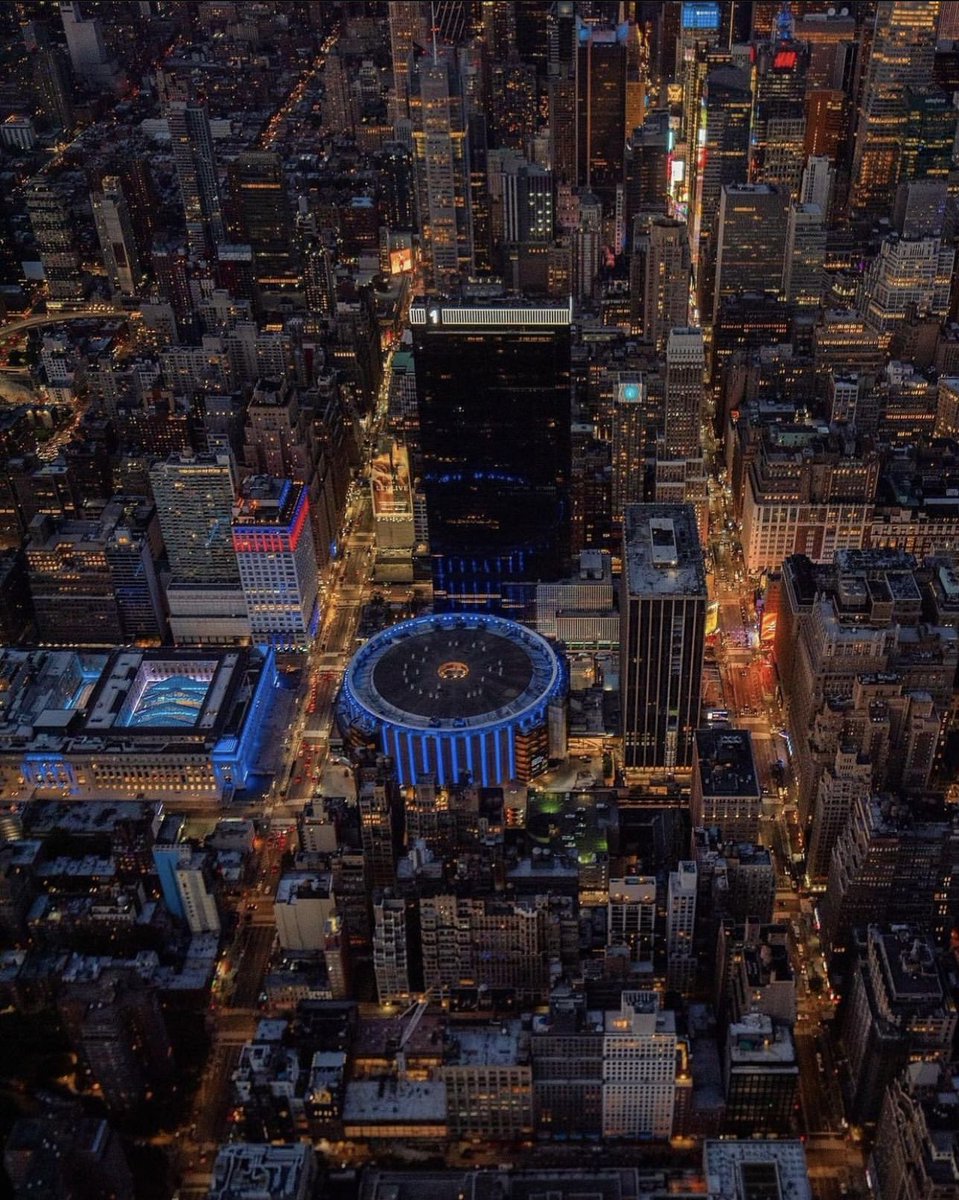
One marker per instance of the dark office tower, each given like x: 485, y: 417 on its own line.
x: 751, y: 242
x: 395, y: 171
x: 779, y: 113
x: 662, y: 626
x: 561, y: 90
x: 532, y: 32
x: 441, y: 164
x: 683, y: 408
x: 825, y: 123
x: 513, y: 107
x: 901, y: 56
x: 499, y: 28
x: 52, y: 78
x: 647, y: 167
x: 409, y: 28
x: 172, y: 270
x: 527, y: 204
x: 601, y: 111
x: 261, y: 217
x: 193, y: 156
x: 658, y: 278
x: 929, y: 134
x: 481, y: 207
x: 319, y: 281
x: 54, y: 230
x: 493, y: 391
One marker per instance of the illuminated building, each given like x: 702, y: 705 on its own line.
x: 196, y: 169
x: 51, y: 223
x: 658, y: 278
x: 681, y: 893
x: 194, y: 498
x: 907, y: 273
x: 641, y: 1060
x: 803, y: 277
x: 663, y: 616
x: 601, y: 109
x: 631, y: 416
x: 917, y: 1119
x: 761, y: 1076
x: 489, y: 1083
x: 457, y: 697
x: 262, y: 217
x: 408, y: 27
x: 722, y: 151
x: 901, y: 56
x: 115, y: 232
x: 89, y: 57
x: 157, y: 724
x: 725, y: 788
x: 825, y: 119
x: 680, y: 467
x: 527, y: 204
x: 273, y: 541
x: 492, y: 384
x: 441, y: 164
x: 751, y: 241
x: 929, y: 134
x: 648, y: 166
x: 779, y: 114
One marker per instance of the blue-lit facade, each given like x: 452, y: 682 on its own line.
x: 701, y: 14
x: 503, y: 742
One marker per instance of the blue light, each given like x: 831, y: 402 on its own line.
x: 701, y: 14
x: 631, y: 392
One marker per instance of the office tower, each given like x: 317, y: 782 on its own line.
x: 631, y: 419
x: 527, y: 203
x: 739, y: 1168
x: 489, y: 1094
x: 378, y: 815
x: 725, y: 788
x: 193, y: 156
x: 908, y: 274
x: 194, y: 498
x: 561, y: 90
x: 587, y: 245
x: 409, y: 28
x: 681, y: 894
x: 115, y: 232
x: 493, y: 393
x: 841, y: 787
x: 261, y: 217
x: 319, y: 281
x: 53, y: 228
x: 900, y: 1010
x: 95, y: 582
x: 195, y: 883
x: 697, y: 51
x: 441, y: 163
x: 906, y: 1158
x: 685, y: 386
x: 647, y: 172
x: 601, y: 110
x: 825, y: 123
x: 663, y: 617
x: 818, y: 183
x: 658, y: 278
x: 724, y: 129
x: 779, y: 113
x: 929, y: 135
x: 512, y: 105
x: 753, y: 972
x: 803, y: 275
x: 302, y: 907
x: 631, y: 916
x: 751, y: 242
x: 397, y: 191
x: 51, y: 76
x: 273, y: 541
x: 89, y: 56
x: 760, y: 1076
x: 900, y: 57
x: 920, y: 208
x: 641, y: 1056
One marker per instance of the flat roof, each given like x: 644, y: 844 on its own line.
x: 726, y: 764
x: 662, y: 552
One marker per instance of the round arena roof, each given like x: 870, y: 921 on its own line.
x: 455, y: 670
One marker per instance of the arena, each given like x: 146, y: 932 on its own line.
x: 462, y: 697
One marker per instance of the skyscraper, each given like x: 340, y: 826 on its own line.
x: 194, y: 498
x: 685, y: 367
x: 262, y: 218
x: 115, y: 232
x: 658, y: 278
x: 803, y: 276
x: 662, y: 620
x: 901, y: 56
x: 601, y: 110
x: 779, y: 112
x: 196, y: 169
x: 751, y: 244
x: 630, y: 420
x: 441, y: 161
x: 493, y: 389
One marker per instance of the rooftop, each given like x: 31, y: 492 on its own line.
x: 726, y: 764
x: 731, y: 1170
x: 663, y: 556
x: 485, y: 1045
x: 372, y: 1101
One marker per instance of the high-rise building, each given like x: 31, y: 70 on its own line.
x: 261, y: 217
x: 901, y: 55
x: 194, y: 498
x: 681, y: 893
x: 441, y: 162
x: 725, y: 790
x: 51, y: 222
x: 803, y: 276
x: 663, y: 617
x: 196, y: 168
x: 527, y: 203
x: 115, y: 232
x: 685, y: 383
x: 751, y: 242
x: 393, y: 921
x: 631, y: 419
x: 631, y: 916
x: 779, y: 113
x: 493, y: 391
x: 89, y: 57
x: 601, y: 110
x: 273, y: 541
x: 906, y: 274
x: 917, y: 1117
x: 641, y: 1056
x: 409, y: 29
x: 760, y: 1076
x: 658, y: 278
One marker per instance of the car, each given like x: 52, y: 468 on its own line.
x: 251, y: 907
